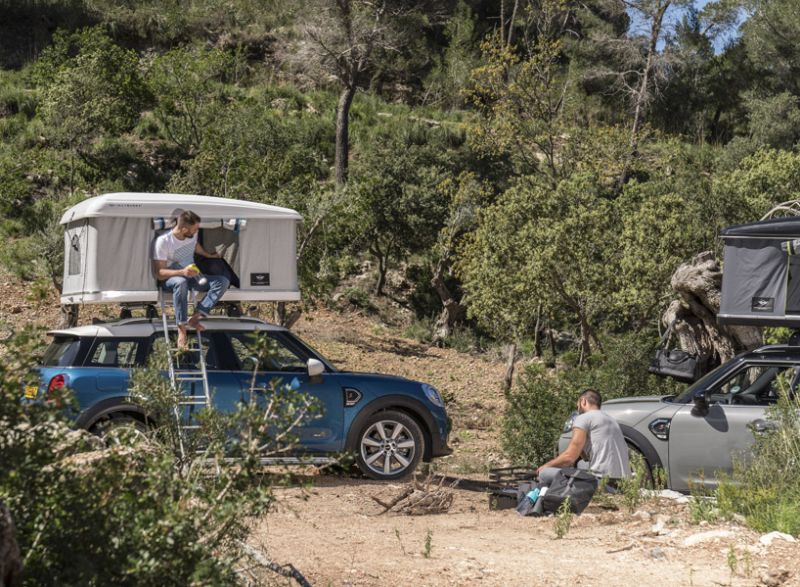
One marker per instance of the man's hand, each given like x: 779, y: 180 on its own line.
x: 189, y: 272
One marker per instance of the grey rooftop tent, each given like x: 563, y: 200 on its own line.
x: 761, y: 275
x: 108, y: 242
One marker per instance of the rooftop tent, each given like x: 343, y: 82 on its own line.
x: 108, y: 242
x: 761, y: 276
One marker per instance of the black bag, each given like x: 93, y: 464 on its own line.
x: 674, y: 363
x: 216, y: 266
x: 577, y: 485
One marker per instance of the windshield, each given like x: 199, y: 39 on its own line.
x: 701, y: 383
x: 61, y: 352
x: 309, y: 349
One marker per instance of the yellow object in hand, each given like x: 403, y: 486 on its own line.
x: 201, y: 279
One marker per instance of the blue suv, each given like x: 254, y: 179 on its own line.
x: 388, y: 423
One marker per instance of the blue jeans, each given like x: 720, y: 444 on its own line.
x: 180, y: 286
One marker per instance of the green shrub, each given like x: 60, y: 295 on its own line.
x: 765, y: 487
x: 139, y: 512
x: 357, y: 297
x: 535, y: 413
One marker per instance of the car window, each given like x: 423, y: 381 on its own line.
x: 113, y: 352
x: 61, y: 352
x: 758, y: 384
x: 187, y: 360
x: 281, y: 358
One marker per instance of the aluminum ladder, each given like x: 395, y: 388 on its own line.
x: 178, y: 376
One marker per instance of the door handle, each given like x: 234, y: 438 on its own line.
x: 760, y: 426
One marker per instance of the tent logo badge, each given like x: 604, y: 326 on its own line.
x: 762, y: 304
x: 259, y: 279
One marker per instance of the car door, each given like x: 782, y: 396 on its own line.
x: 287, y: 365
x: 223, y: 378
x: 702, y: 445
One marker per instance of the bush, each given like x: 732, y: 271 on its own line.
x: 765, y: 488
x: 535, y: 414
x: 144, y: 513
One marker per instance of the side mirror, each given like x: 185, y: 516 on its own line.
x: 315, y: 368
x: 701, y: 404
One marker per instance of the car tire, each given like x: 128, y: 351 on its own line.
x: 389, y: 446
x: 120, y: 430
x: 637, y: 460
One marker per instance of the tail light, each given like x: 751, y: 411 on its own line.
x: 55, y: 387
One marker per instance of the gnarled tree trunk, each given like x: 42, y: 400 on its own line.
x: 694, y: 314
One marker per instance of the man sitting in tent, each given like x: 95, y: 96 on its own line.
x: 173, y: 258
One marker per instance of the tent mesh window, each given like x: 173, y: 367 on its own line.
x: 75, y: 255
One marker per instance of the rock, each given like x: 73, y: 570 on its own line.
x: 739, y: 519
x: 658, y: 554
x: 707, y: 537
x: 669, y: 494
x: 768, y: 539
x: 657, y: 528
x: 642, y: 515
x: 775, y: 578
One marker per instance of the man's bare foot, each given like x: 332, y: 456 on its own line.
x: 194, y: 322
x: 183, y: 342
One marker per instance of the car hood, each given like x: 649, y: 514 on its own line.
x: 635, y: 400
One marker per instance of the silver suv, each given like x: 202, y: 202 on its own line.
x: 696, y: 434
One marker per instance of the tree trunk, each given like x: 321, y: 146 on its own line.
x: 287, y: 320
x: 343, y: 132
x: 586, y: 335
x: 69, y: 315
x: 452, y: 311
x: 537, y: 333
x: 10, y: 557
x: 642, y: 94
x: 382, y: 261
x: 508, y: 379
x: 694, y: 314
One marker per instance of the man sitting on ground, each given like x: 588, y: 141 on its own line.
x: 173, y: 256
x: 594, y: 433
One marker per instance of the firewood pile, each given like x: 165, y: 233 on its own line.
x: 419, y: 498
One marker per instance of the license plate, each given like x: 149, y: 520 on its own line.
x: 31, y: 391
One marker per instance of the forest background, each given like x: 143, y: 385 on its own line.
x: 523, y: 174
x: 535, y: 170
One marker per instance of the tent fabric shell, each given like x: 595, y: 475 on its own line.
x: 761, y: 280
x: 108, y: 246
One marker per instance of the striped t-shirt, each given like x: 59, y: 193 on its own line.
x: 176, y: 252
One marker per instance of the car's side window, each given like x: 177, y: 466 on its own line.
x: 187, y: 360
x: 280, y: 357
x: 758, y: 384
x: 114, y: 352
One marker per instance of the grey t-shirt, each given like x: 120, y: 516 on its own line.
x: 605, y: 443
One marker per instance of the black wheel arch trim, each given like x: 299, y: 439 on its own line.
x: 106, y: 407
x: 434, y: 447
x: 638, y: 440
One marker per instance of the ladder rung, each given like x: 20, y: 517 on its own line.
x: 190, y: 427
x: 191, y: 349
x: 194, y: 403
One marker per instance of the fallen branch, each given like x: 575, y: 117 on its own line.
x: 287, y: 570
x: 387, y: 506
x: 626, y: 547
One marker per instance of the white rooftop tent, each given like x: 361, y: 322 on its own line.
x: 108, y: 242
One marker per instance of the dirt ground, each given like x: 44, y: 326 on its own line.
x: 334, y: 533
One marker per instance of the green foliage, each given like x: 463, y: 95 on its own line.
x: 563, y: 520
x: 91, y: 86
x: 140, y: 510
x: 535, y: 413
x: 763, y: 488
x: 188, y: 83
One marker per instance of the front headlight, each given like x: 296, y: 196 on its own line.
x: 569, y: 423
x: 432, y: 395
